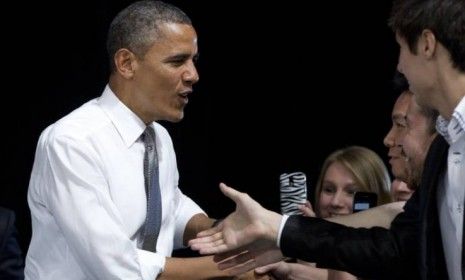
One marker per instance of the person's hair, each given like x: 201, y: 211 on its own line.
x: 445, y: 18
x: 399, y: 83
x: 137, y: 27
x: 432, y: 116
x: 369, y: 172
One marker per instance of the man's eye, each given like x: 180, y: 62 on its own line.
x: 177, y: 62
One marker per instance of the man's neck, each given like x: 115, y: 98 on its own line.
x: 452, y: 85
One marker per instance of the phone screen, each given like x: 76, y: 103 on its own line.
x: 364, y: 201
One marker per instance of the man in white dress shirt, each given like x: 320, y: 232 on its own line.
x: 87, y: 195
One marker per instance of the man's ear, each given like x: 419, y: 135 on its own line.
x: 125, y: 62
x: 427, y: 43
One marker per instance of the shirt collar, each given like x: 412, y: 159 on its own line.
x: 127, y: 123
x: 455, y: 128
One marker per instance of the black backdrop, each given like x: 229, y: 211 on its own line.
x: 282, y: 85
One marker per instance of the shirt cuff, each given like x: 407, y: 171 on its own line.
x: 151, y: 264
x: 281, y: 227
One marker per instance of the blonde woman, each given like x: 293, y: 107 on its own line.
x: 343, y: 173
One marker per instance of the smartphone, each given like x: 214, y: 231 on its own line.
x: 293, y: 190
x: 364, y: 201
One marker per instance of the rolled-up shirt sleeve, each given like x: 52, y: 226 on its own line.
x: 151, y: 264
x: 186, y: 209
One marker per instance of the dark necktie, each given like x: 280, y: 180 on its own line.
x: 152, y: 189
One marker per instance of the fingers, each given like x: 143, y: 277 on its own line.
x: 239, y: 269
x: 228, y: 254
x: 266, y: 268
x: 214, y: 250
x: 213, y: 244
x: 206, y: 239
x: 307, y: 209
x: 211, y: 232
x: 208, y: 248
x: 308, y: 204
x: 239, y: 259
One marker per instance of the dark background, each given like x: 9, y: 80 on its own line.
x: 282, y: 85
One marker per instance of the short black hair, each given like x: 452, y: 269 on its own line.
x: 137, y: 26
x: 445, y: 18
x: 399, y: 83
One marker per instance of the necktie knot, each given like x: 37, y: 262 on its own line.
x: 150, y: 157
x: 149, y: 136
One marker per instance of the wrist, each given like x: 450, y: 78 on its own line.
x: 273, y: 226
x: 216, y: 222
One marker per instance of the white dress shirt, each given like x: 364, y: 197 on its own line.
x: 451, y: 191
x: 87, y: 197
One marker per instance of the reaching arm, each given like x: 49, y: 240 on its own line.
x: 200, y: 268
x: 380, y: 216
x: 250, y: 234
x: 250, y: 222
x: 293, y: 271
x: 11, y: 260
x: 192, y: 268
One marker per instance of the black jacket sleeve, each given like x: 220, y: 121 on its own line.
x: 11, y: 260
x: 370, y: 253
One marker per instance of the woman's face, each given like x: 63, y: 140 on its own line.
x: 337, y: 192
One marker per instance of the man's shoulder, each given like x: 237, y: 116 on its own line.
x: 77, y: 125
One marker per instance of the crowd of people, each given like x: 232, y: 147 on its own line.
x: 105, y: 201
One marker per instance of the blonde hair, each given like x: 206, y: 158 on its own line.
x: 367, y: 168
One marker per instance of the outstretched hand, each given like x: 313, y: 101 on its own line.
x: 245, y: 239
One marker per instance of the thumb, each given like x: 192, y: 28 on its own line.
x: 230, y: 192
x: 264, y: 269
x: 309, y: 205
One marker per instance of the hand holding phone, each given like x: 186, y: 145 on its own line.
x: 293, y: 190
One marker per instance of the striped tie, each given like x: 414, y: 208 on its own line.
x: 152, y: 189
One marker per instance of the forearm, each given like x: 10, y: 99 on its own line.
x: 192, y: 268
x: 363, y: 252
x: 306, y: 272
x: 340, y: 275
x: 380, y: 216
x: 195, y: 225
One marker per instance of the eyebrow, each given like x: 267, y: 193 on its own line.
x: 397, y: 117
x: 182, y: 56
x: 332, y: 183
x: 408, y: 117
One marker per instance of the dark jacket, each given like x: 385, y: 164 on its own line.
x: 11, y: 259
x: 411, y: 249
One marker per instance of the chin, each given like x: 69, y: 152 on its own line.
x: 176, y: 118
